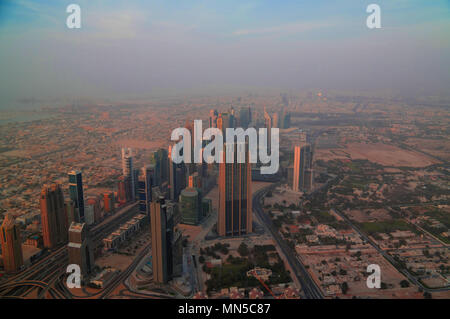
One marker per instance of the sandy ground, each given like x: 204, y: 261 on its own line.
x: 361, y: 216
x: 439, y: 148
x: 386, y: 155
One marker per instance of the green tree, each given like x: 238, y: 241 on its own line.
x: 243, y: 249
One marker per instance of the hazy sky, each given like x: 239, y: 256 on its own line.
x: 134, y: 48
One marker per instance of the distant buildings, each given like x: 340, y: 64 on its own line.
x: 235, y: 197
x: 213, y: 118
x: 11, y: 245
x: 224, y: 121
x: 53, y: 216
x: 76, y: 194
x: 80, y: 248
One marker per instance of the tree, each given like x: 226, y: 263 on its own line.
x: 243, y: 249
x: 344, y: 287
x: 404, y: 283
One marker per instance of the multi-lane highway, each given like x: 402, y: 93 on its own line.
x: 46, y: 272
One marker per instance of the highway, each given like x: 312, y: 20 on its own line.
x: 309, y: 287
x: 124, y: 274
x: 47, y: 271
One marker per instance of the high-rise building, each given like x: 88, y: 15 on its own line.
x: 80, y: 248
x: 190, y: 206
x: 92, y: 211
x: 11, y: 245
x: 123, y: 190
x: 244, y: 117
x: 108, y: 202
x: 161, y: 223
x: 235, y: 197
x: 128, y: 171
x: 53, y: 216
x: 224, y: 121
x: 161, y: 168
x: 213, y: 118
x: 71, y: 211
x: 76, y: 194
x: 145, y: 191
x: 177, y: 178
x: 302, y: 173
x: 268, y: 125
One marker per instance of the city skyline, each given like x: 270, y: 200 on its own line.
x: 225, y: 150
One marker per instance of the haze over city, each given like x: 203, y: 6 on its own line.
x: 139, y: 48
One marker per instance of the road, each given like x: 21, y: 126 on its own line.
x: 55, y: 262
x: 309, y: 287
x: 387, y: 256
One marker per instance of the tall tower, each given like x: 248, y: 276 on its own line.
x: 161, y: 224
x: 80, y: 248
x: 213, y: 118
x: 76, y: 194
x: 161, y: 171
x: 296, y: 174
x: 108, y: 202
x: 127, y: 169
x: 303, y: 174
x: 177, y: 178
x: 145, y: 182
x: 235, y: 197
x: 53, y: 216
x: 11, y: 245
x: 268, y: 125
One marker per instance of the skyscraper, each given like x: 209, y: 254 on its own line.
x: 224, y: 121
x: 53, y: 216
x: 268, y: 125
x: 80, y: 248
x: 235, y: 197
x: 11, y: 245
x: 123, y: 190
x: 177, y: 178
x: 108, y: 202
x: 145, y: 190
x: 161, y: 223
x: 213, y: 118
x: 190, y: 206
x: 76, y: 194
x: 127, y: 170
x: 302, y: 174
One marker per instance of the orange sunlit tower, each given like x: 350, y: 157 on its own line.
x: 303, y: 173
x: 235, y: 197
x: 11, y: 245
